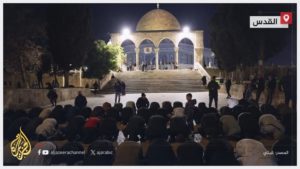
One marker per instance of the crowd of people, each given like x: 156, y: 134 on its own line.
x: 144, y: 133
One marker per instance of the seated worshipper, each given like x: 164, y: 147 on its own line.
x: 47, y: 129
x: 230, y: 125
x: 270, y: 125
x: 106, y: 106
x: 159, y: 153
x: 108, y: 129
x: 118, y: 107
x: 178, y: 112
x: 202, y: 108
x: 113, y: 113
x: 122, y: 157
x: 35, y: 158
x: 219, y: 152
x: 90, y: 128
x: 145, y: 114
x: 253, y: 152
x: 249, y: 125
x: 72, y: 158
x: 73, y: 131
x: 167, y: 106
x: 177, y: 104
x: 157, y: 128
x: 31, y: 126
x: 269, y: 109
x: 285, y: 150
x: 126, y: 114
x: 154, y: 106
x: 179, y: 129
x: 225, y: 111
x: 80, y: 100
x: 70, y: 111
x: 163, y: 112
x: 135, y: 129
x: 99, y: 111
x: 254, y: 111
x: 190, y: 153
x: 45, y: 113
x: 131, y: 104
x: 142, y: 102
x: 100, y: 152
x: 58, y: 114
x: 34, y: 112
x: 210, y: 125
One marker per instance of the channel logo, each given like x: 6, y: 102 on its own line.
x: 283, y: 21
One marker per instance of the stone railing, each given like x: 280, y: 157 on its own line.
x: 28, y: 98
x: 202, y: 71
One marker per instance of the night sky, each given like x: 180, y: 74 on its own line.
x: 111, y: 18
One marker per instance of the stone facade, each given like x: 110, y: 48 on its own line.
x: 156, y: 26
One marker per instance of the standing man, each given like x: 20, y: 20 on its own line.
x: 204, y: 81
x: 118, y: 91
x: 80, y: 100
x: 142, y: 102
x: 228, y: 86
x: 39, y: 75
x: 288, y: 84
x: 213, y: 88
x: 271, y: 89
x: 52, y: 95
x: 260, y: 88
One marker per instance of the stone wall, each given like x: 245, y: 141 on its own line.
x: 28, y: 98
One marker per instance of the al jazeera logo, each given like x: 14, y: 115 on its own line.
x: 20, y: 147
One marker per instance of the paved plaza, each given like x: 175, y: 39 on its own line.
x: 98, y: 100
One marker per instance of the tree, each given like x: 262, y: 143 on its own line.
x: 235, y: 44
x: 69, y: 36
x: 24, y: 39
x: 102, y: 58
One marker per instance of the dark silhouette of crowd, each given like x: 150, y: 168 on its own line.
x: 166, y: 134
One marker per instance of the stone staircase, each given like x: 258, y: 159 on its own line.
x: 158, y: 81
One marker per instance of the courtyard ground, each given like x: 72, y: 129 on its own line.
x: 98, y: 100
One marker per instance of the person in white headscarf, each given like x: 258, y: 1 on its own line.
x: 40, y: 154
x: 178, y: 112
x: 45, y: 113
x: 230, y: 125
x: 269, y: 124
x: 253, y: 152
x: 47, y: 128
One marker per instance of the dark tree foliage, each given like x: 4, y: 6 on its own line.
x: 235, y: 44
x: 101, y: 59
x: 69, y: 35
x: 25, y: 38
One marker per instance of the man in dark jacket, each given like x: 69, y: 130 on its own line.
x: 118, y: 91
x: 204, y: 80
x: 228, y: 86
x: 288, y: 84
x: 80, y: 100
x: 213, y: 88
x: 142, y: 102
x: 260, y: 88
x: 271, y: 89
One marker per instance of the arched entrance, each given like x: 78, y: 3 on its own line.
x: 147, y: 54
x: 129, y: 50
x: 166, y: 54
x: 186, y: 54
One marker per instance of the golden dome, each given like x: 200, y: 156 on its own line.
x: 158, y: 20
